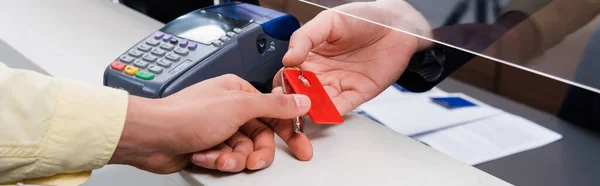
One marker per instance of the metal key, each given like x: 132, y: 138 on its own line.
x: 288, y: 90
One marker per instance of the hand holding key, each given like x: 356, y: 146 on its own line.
x: 215, y: 117
x: 354, y: 59
x: 260, y: 132
x: 322, y: 111
x: 252, y: 146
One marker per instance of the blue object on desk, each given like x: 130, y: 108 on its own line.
x: 402, y: 89
x: 452, y: 102
x: 363, y: 113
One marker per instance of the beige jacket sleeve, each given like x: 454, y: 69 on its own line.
x: 55, y: 131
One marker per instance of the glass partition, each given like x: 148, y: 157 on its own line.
x: 558, y: 39
x: 520, y: 46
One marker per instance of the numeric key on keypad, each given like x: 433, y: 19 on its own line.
x: 152, y: 42
x: 149, y: 58
x: 140, y: 63
x: 158, y: 52
x: 167, y: 46
x: 126, y: 59
x: 224, y: 38
x: 135, y: 53
x: 155, y: 69
x: 217, y: 43
x: 174, y: 40
x: 144, y: 48
x: 164, y: 63
x: 231, y: 34
x: 173, y: 57
x: 181, y: 51
x: 237, y: 30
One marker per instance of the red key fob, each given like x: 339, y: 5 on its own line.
x: 322, y: 110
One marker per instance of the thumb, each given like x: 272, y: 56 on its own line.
x: 281, y: 106
x: 308, y: 37
x: 277, y: 79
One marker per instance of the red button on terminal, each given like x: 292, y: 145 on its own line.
x: 117, y: 66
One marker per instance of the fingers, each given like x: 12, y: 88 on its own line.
x: 347, y: 101
x: 344, y: 102
x: 264, y: 144
x: 233, y: 82
x: 277, y: 90
x: 253, y: 148
x: 232, y: 159
x: 275, y: 105
x: 265, y: 105
x: 299, y: 144
x: 277, y: 79
x: 308, y: 37
x: 208, y: 158
x: 236, y: 160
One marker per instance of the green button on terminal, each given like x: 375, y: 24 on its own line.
x: 144, y: 75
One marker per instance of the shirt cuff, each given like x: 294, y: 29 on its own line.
x: 67, y: 179
x: 428, y: 64
x: 84, y: 131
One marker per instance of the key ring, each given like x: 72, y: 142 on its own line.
x: 301, y: 77
x: 297, y: 68
x: 298, y: 128
x: 301, y: 71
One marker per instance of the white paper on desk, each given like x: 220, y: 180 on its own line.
x: 490, y: 139
x: 394, y: 93
x: 417, y: 115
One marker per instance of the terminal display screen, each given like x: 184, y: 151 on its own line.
x: 203, y: 26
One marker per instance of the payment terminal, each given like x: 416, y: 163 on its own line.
x: 235, y: 38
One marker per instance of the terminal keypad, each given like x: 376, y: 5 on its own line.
x: 153, y: 56
x: 159, y: 53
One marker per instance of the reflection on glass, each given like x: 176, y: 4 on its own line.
x: 553, y: 38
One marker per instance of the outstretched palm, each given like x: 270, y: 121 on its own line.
x: 355, y: 60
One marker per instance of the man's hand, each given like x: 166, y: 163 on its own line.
x: 354, y: 59
x: 261, y: 130
x: 160, y: 135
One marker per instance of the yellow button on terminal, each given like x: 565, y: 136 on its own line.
x: 131, y: 70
